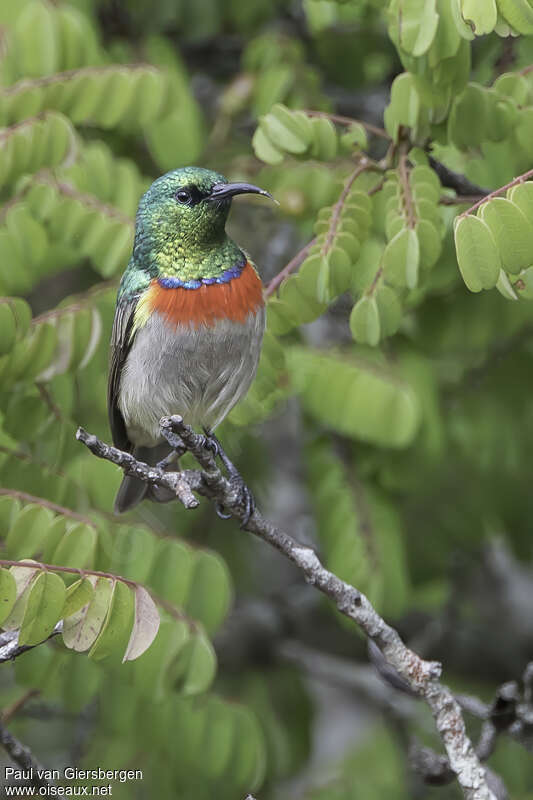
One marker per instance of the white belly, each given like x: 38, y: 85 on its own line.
x: 199, y: 373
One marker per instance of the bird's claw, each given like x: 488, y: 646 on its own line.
x: 219, y: 508
x: 245, y: 499
x: 245, y: 496
x: 212, y: 444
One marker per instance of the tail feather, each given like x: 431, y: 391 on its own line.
x: 132, y: 490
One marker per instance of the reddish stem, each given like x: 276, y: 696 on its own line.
x: 496, y: 192
x: 288, y: 268
x: 350, y: 121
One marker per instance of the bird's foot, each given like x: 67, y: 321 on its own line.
x: 245, y: 496
x: 178, y: 448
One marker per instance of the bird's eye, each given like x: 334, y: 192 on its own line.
x: 183, y: 197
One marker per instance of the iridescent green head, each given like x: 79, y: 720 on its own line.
x: 180, y: 224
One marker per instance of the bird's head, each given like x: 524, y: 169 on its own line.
x: 187, y: 209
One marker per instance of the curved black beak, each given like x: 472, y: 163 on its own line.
x: 222, y: 190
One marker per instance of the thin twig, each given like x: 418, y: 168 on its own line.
x: 15, y: 707
x: 9, y: 647
x: 301, y: 255
x: 496, y: 192
x: 362, y: 166
x: 41, y: 501
x: 293, y: 264
x: 421, y: 676
x: 63, y: 77
x: 350, y: 121
x: 403, y: 174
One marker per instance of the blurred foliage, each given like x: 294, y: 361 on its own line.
x: 416, y: 422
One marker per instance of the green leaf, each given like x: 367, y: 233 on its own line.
x: 77, y: 547
x: 355, y: 397
x: 480, y: 15
x: 9, y: 510
x: 79, y: 594
x: 364, y: 321
x: 210, y: 593
x: 291, y: 131
x: 505, y: 288
x: 8, y: 594
x: 477, y: 255
x: 151, y: 670
x: 28, y: 532
x: 404, y: 106
x: 325, y: 140
x: 8, y: 330
x: 264, y: 149
x: 24, y: 577
x: 219, y: 742
x: 35, y: 39
x: 519, y: 15
x: 15, y: 318
x: 522, y: 196
x: 464, y: 30
x: 390, y: 311
x: 430, y: 243
x: 401, y: 259
x: 512, y: 232
x: 43, y: 609
x: 417, y: 22
x: 513, y: 85
x: 469, y: 116
x: 195, y: 666
x: 112, y: 640
x: 172, y: 572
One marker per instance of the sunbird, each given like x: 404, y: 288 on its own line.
x: 189, y: 320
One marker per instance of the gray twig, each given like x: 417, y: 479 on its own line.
x: 421, y: 676
x: 23, y: 756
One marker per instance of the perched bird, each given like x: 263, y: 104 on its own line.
x: 189, y: 319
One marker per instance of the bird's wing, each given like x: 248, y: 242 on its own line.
x: 121, y: 341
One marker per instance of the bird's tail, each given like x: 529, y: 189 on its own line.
x: 132, y: 490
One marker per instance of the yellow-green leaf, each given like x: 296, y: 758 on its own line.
x: 477, y: 254
x: 43, y: 609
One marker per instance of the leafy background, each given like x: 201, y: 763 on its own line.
x: 390, y: 423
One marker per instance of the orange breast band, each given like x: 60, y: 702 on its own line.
x: 233, y: 300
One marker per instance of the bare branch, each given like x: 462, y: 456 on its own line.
x: 454, y: 180
x: 421, y: 676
